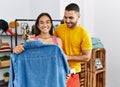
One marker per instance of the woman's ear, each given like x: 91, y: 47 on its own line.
x: 38, y: 25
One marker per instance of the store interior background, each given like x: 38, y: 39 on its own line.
x: 100, y: 17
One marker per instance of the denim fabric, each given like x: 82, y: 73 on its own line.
x: 40, y: 65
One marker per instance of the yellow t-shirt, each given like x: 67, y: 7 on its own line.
x: 74, y: 41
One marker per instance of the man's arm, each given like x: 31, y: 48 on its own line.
x: 85, y: 57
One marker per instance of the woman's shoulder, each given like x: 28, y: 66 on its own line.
x: 58, y: 41
x: 57, y: 38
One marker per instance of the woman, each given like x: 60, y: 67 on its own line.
x: 43, y: 31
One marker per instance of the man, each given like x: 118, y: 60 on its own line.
x: 76, y: 40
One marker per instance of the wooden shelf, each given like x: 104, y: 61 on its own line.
x: 99, y: 71
x: 83, y: 75
x: 90, y: 76
x: 5, y: 35
x: 97, y: 53
x: 3, y: 84
x: 97, y: 77
x: 4, y: 64
x: 6, y: 50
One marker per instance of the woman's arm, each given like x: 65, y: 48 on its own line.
x: 19, y: 48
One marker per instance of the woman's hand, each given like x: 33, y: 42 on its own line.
x: 18, y: 49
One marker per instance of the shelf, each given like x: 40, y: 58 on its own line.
x: 98, y: 54
x: 4, y: 67
x: 3, y: 83
x: 4, y: 64
x: 97, y: 75
x: 5, y: 50
x: 99, y: 71
x: 5, y: 35
x: 12, y: 35
x: 98, y: 49
x: 83, y: 75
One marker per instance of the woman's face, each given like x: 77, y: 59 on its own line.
x: 44, y: 24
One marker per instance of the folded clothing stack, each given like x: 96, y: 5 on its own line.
x: 5, y: 47
x: 0, y: 42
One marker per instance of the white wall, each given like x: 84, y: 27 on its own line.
x: 88, y: 13
x: 105, y: 19
x: 107, y: 27
x: 50, y: 6
x: 12, y: 9
x: 20, y: 9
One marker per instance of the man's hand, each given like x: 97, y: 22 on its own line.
x: 67, y: 77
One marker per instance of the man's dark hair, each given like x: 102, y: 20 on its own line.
x: 72, y: 6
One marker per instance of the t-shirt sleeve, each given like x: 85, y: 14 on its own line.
x: 86, y: 43
x: 55, y: 32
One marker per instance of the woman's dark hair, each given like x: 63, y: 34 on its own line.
x: 37, y: 30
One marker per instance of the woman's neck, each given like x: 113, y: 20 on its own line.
x: 45, y: 36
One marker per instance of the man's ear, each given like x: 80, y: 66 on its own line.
x: 79, y: 15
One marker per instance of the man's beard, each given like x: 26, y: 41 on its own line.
x: 71, y: 24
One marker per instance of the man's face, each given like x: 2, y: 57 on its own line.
x: 71, y: 18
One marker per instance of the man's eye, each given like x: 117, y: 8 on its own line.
x: 70, y: 17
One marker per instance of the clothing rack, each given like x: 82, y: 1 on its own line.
x: 16, y: 20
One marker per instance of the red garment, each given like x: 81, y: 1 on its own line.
x: 73, y: 81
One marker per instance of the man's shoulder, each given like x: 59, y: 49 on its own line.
x: 60, y: 26
x: 82, y: 28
